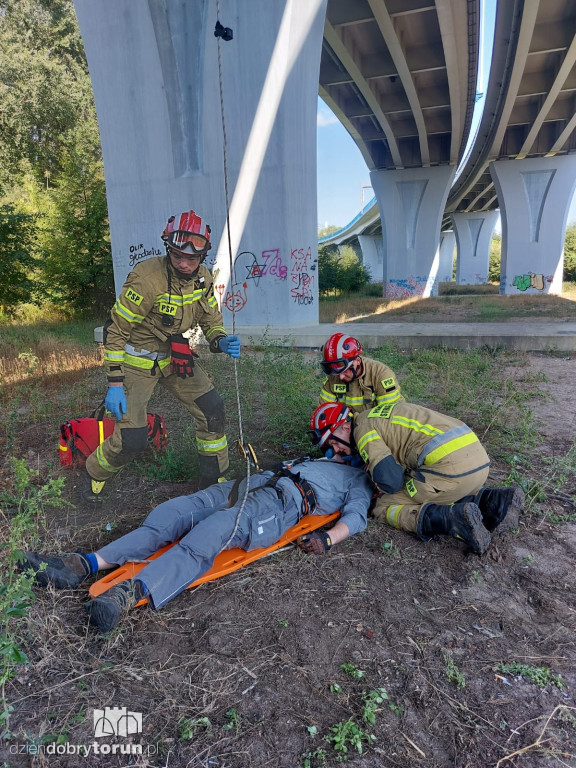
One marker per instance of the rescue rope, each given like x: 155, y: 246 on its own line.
x: 225, y: 33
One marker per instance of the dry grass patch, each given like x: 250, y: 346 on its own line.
x: 450, y: 308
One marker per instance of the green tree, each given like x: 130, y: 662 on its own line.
x: 50, y: 155
x: 329, y: 230
x: 45, y: 88
x: 74, y: 235
x: 17, y: 264
x: 340, y: 272
x: 495, y: 258
x: 570, y: 253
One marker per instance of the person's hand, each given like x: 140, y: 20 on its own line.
x: 230, y: 345
x: 315, y: 543
x: 181, y: 357
x: 115, y: 401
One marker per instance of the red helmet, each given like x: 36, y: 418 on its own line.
x: 188, y: 235
x: 326, y: 419
x: 339, y: 353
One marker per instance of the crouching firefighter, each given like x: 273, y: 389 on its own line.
x: 162, y: 299
x: 429, y: 470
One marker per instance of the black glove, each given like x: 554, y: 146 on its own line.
x: 181, y: 357
x: 315, y: 543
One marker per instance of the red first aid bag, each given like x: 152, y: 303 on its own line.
x: 80, y: 437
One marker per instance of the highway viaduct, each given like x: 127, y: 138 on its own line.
x: 180, y: 111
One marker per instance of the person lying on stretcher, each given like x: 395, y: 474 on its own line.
x: 207, y: 522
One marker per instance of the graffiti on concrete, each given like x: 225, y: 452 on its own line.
x: 301, y: 264
x: 405, y: 288
x: 138, y: 253
x: 234, y: 300
x: 303, y: 292
x: 270, y: 264
x: 531, y: 280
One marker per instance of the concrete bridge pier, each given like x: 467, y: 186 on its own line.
x: 372, y: 248
x: 534, y: 196
x: 411, y: 203
x: 473, y: 238
x: 446, y: 263
x: 154, y: 70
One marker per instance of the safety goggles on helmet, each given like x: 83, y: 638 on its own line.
x: 189, y: 242
x: 187, y: 235
x: 335, y: 367
x: 325, y: 421
x: 339, y: 353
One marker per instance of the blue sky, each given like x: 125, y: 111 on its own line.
x: 342, y: 172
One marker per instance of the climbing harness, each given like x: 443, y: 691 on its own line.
x: 245, y: 450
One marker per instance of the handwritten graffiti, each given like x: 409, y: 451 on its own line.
x: 405, y: 288
x: 274, y: 264
x: 138, y: 253
x: 302, y: 261
x: 303, y: 292
x: 271, y: 264
x: 219, y: 291
x: 531, y: 280
x: 301, y: 264
x: 235, y: 301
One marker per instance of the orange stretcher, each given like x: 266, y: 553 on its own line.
x: 226, y: 562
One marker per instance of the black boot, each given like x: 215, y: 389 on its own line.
x: 63, y: 571
x: 91, y: 489
x: 208, y: 471
x: 462, y: 521
x: 107, y: 610
x: 500, y: 508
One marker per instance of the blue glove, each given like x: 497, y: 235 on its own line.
x: 230, y: 345
x: 115, y: 402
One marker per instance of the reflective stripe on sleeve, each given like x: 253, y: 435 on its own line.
x: 124, y: 312
x: 445, y: 444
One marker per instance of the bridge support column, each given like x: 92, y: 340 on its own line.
x: 154, y: 70
x: 534, y: 196
x: 473, y: 237
x: 372, y: 255
x: 446, y: 264
x: 411, y: 205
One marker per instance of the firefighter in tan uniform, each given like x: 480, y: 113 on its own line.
x: 162, y: 299
x: 356, y: 381
x: 429, y: 470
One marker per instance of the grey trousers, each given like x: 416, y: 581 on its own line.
x: 201, y: 524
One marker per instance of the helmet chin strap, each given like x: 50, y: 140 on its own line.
x: 357, y: 368
x: 351, y: 444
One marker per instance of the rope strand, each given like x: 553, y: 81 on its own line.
x: 232, y: 278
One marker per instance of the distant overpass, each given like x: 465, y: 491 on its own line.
x: 401, y: 77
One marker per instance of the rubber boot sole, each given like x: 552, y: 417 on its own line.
x: 478, y: 536
x: 510, y: 520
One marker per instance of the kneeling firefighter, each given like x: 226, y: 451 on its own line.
x: 428, y: 470
x: 163, y: 298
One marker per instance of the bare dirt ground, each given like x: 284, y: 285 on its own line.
x: 251, y: 666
